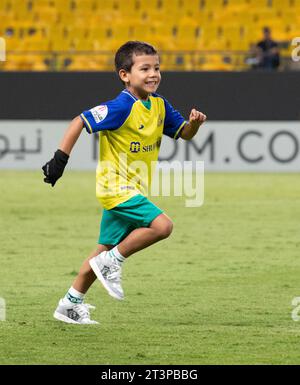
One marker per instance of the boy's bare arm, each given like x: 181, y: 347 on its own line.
x: 54, y: 169
x: 191, y: 128
x: 71, y: 135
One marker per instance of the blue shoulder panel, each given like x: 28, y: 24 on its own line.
x: 108, y: 116
x: 174, y: 121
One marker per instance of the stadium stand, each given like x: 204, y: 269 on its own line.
x: 190, y: 34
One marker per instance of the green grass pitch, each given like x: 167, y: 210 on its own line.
x: 218, y: 291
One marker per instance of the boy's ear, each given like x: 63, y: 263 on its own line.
x: 123, y: 76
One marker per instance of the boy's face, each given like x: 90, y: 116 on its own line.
x: 144, y: 77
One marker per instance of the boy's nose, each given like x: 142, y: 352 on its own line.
x: 153, y: 77
x: 153, y: 74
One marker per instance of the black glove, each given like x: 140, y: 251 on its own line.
x: 54, y: 169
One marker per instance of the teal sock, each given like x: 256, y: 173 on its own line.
x: 115, y: 254
x: 73, y: 296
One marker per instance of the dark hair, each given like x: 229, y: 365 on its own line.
x: 123, y: 58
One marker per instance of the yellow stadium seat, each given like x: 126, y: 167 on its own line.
x: 171, y: 5
x: 101, y: 38
x: 128, y: 7
x: 216, y: 62
x: 61, y: 45
x: 62, y: 5
x: 150, y: 4
x: 285, y: 4
x: 82, y: 5
x: 77, y: 31
x: 141, y: 32
x: 105, y: 5
x: 99, y: 32
x: 259, y: 4
x: 187, y: 37
x: 37, y: 44
x: 83, y: 44
x: 45, y: 15
x: 92, y: 63
x: 191, y: 7
x: 122, y: 33
x: 25, y: 62
x: 15, y: 43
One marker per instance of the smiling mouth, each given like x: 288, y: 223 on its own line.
x: 153, y: 83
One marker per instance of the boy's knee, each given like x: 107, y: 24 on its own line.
x: 166, y: 230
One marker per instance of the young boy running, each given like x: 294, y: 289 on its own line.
x: 130, y: 130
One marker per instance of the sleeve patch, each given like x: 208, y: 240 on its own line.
x: 99, y: 113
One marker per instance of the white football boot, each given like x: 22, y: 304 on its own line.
x: 109, y: 274
x: 74, y: 313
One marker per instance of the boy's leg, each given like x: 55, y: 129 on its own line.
x: 71, y: 308
x: 160, y: 228
x: 130, y: 227
x: 107, y: 265
x: 86, y: 276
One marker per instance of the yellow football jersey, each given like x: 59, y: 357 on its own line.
x: 130, y: 136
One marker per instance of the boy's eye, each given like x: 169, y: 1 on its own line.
x: 146, y: 69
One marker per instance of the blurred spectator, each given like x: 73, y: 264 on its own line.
x: 9, y: 31
x: 267, y: 52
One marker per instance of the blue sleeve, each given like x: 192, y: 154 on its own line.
x: 174, y: 121
x: 108, y: 116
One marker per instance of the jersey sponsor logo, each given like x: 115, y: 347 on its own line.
x: 99, y: 113
x: 152, y: 147
x: 135, y: 147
